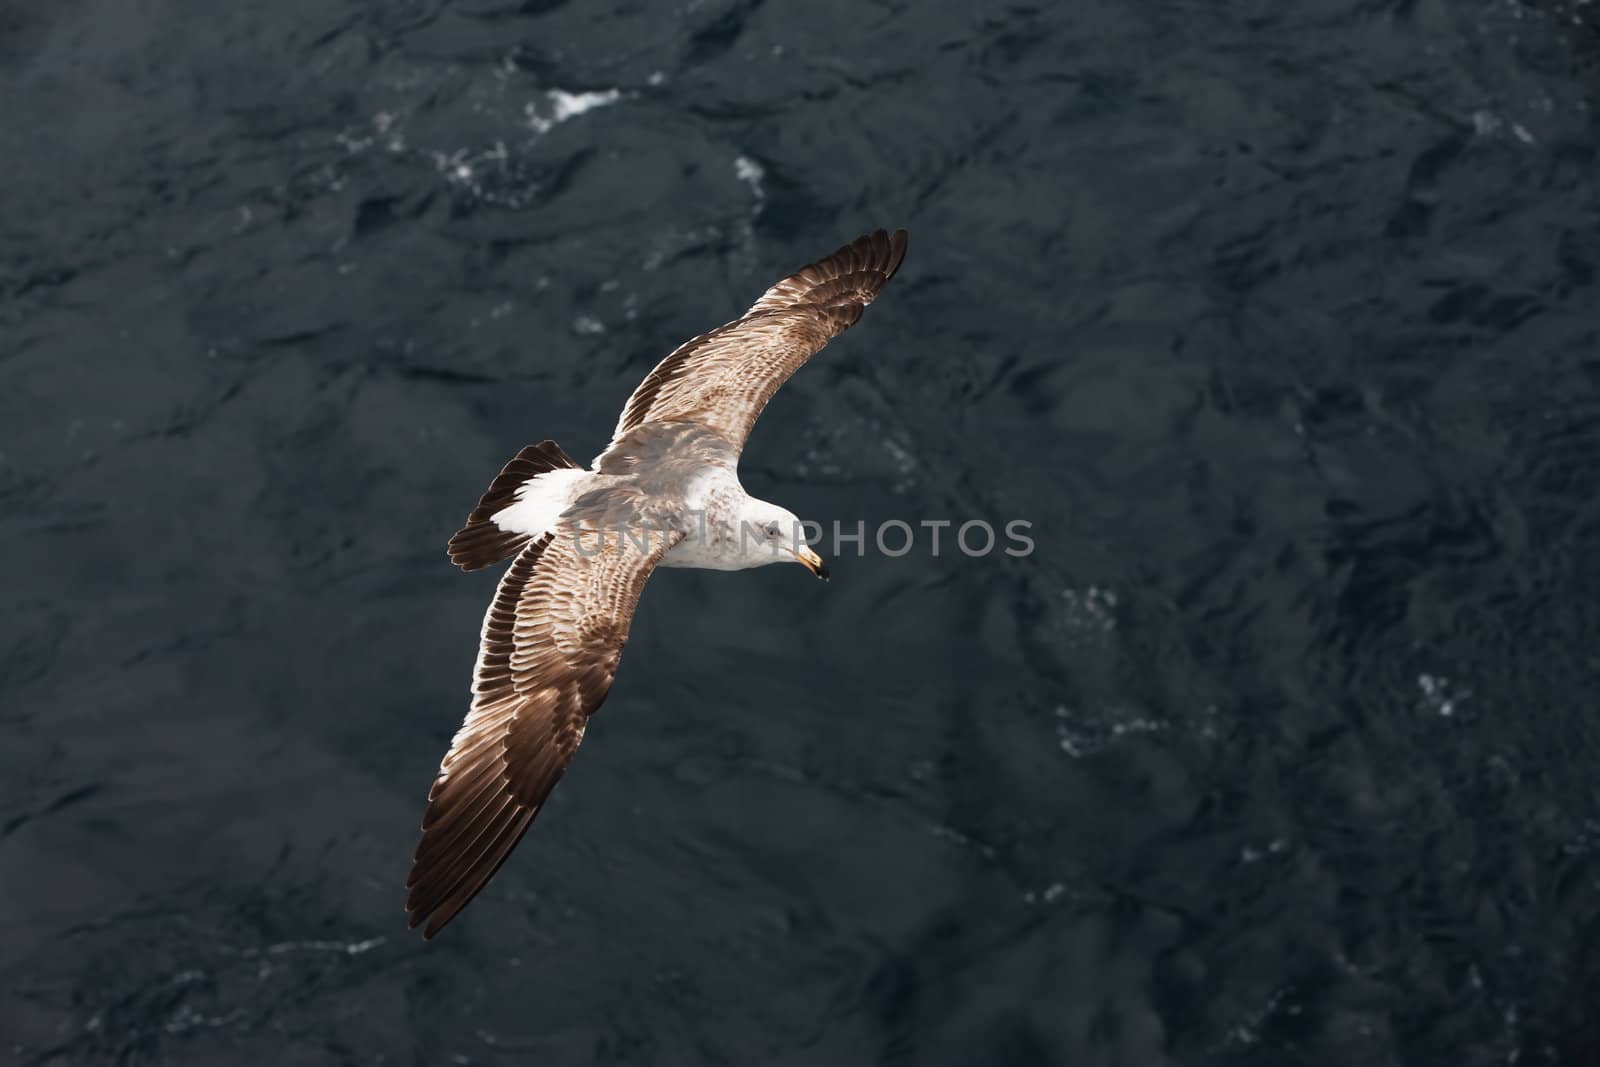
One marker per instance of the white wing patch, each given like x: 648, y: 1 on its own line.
x: 541, y: 500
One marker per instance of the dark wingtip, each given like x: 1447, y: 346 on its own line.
x: 483, y: 544
x: 416, y: 917
x: 879, y: 250
x: 898, y: 242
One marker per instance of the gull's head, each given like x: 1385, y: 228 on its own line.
x: 771, y: 534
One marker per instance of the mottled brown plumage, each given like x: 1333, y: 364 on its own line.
x: 724, y: 378
x: 549, y: 650
x: 554, y: 634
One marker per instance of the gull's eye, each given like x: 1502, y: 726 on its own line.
x: 772, y: 531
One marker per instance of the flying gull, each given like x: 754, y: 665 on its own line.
x: 665, y: 492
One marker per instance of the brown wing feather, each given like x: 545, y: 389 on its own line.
x: 723, y: 379
x: 551, y: 642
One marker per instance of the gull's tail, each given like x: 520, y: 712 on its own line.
x: 522, y: 483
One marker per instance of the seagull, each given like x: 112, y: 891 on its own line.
x: 664, y: 493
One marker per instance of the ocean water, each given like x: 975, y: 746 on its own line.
x: 1278, y: 323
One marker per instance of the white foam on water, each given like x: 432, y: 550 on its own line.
x: 1049, y: 895
x: 752, y: 174
x: 1079, y: 736
x: 905, y: 465
x: 1439, y: 696
x: 561, y: 106
x: 1252, y: 854
x: 1091, y: 610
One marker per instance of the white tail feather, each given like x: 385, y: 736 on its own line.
x: 541, y: 500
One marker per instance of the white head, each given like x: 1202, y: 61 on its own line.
x: 770, y: 534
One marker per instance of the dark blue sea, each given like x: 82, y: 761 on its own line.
x: 1277, y: 323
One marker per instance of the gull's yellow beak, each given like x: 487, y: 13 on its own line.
x: 812, y: 561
